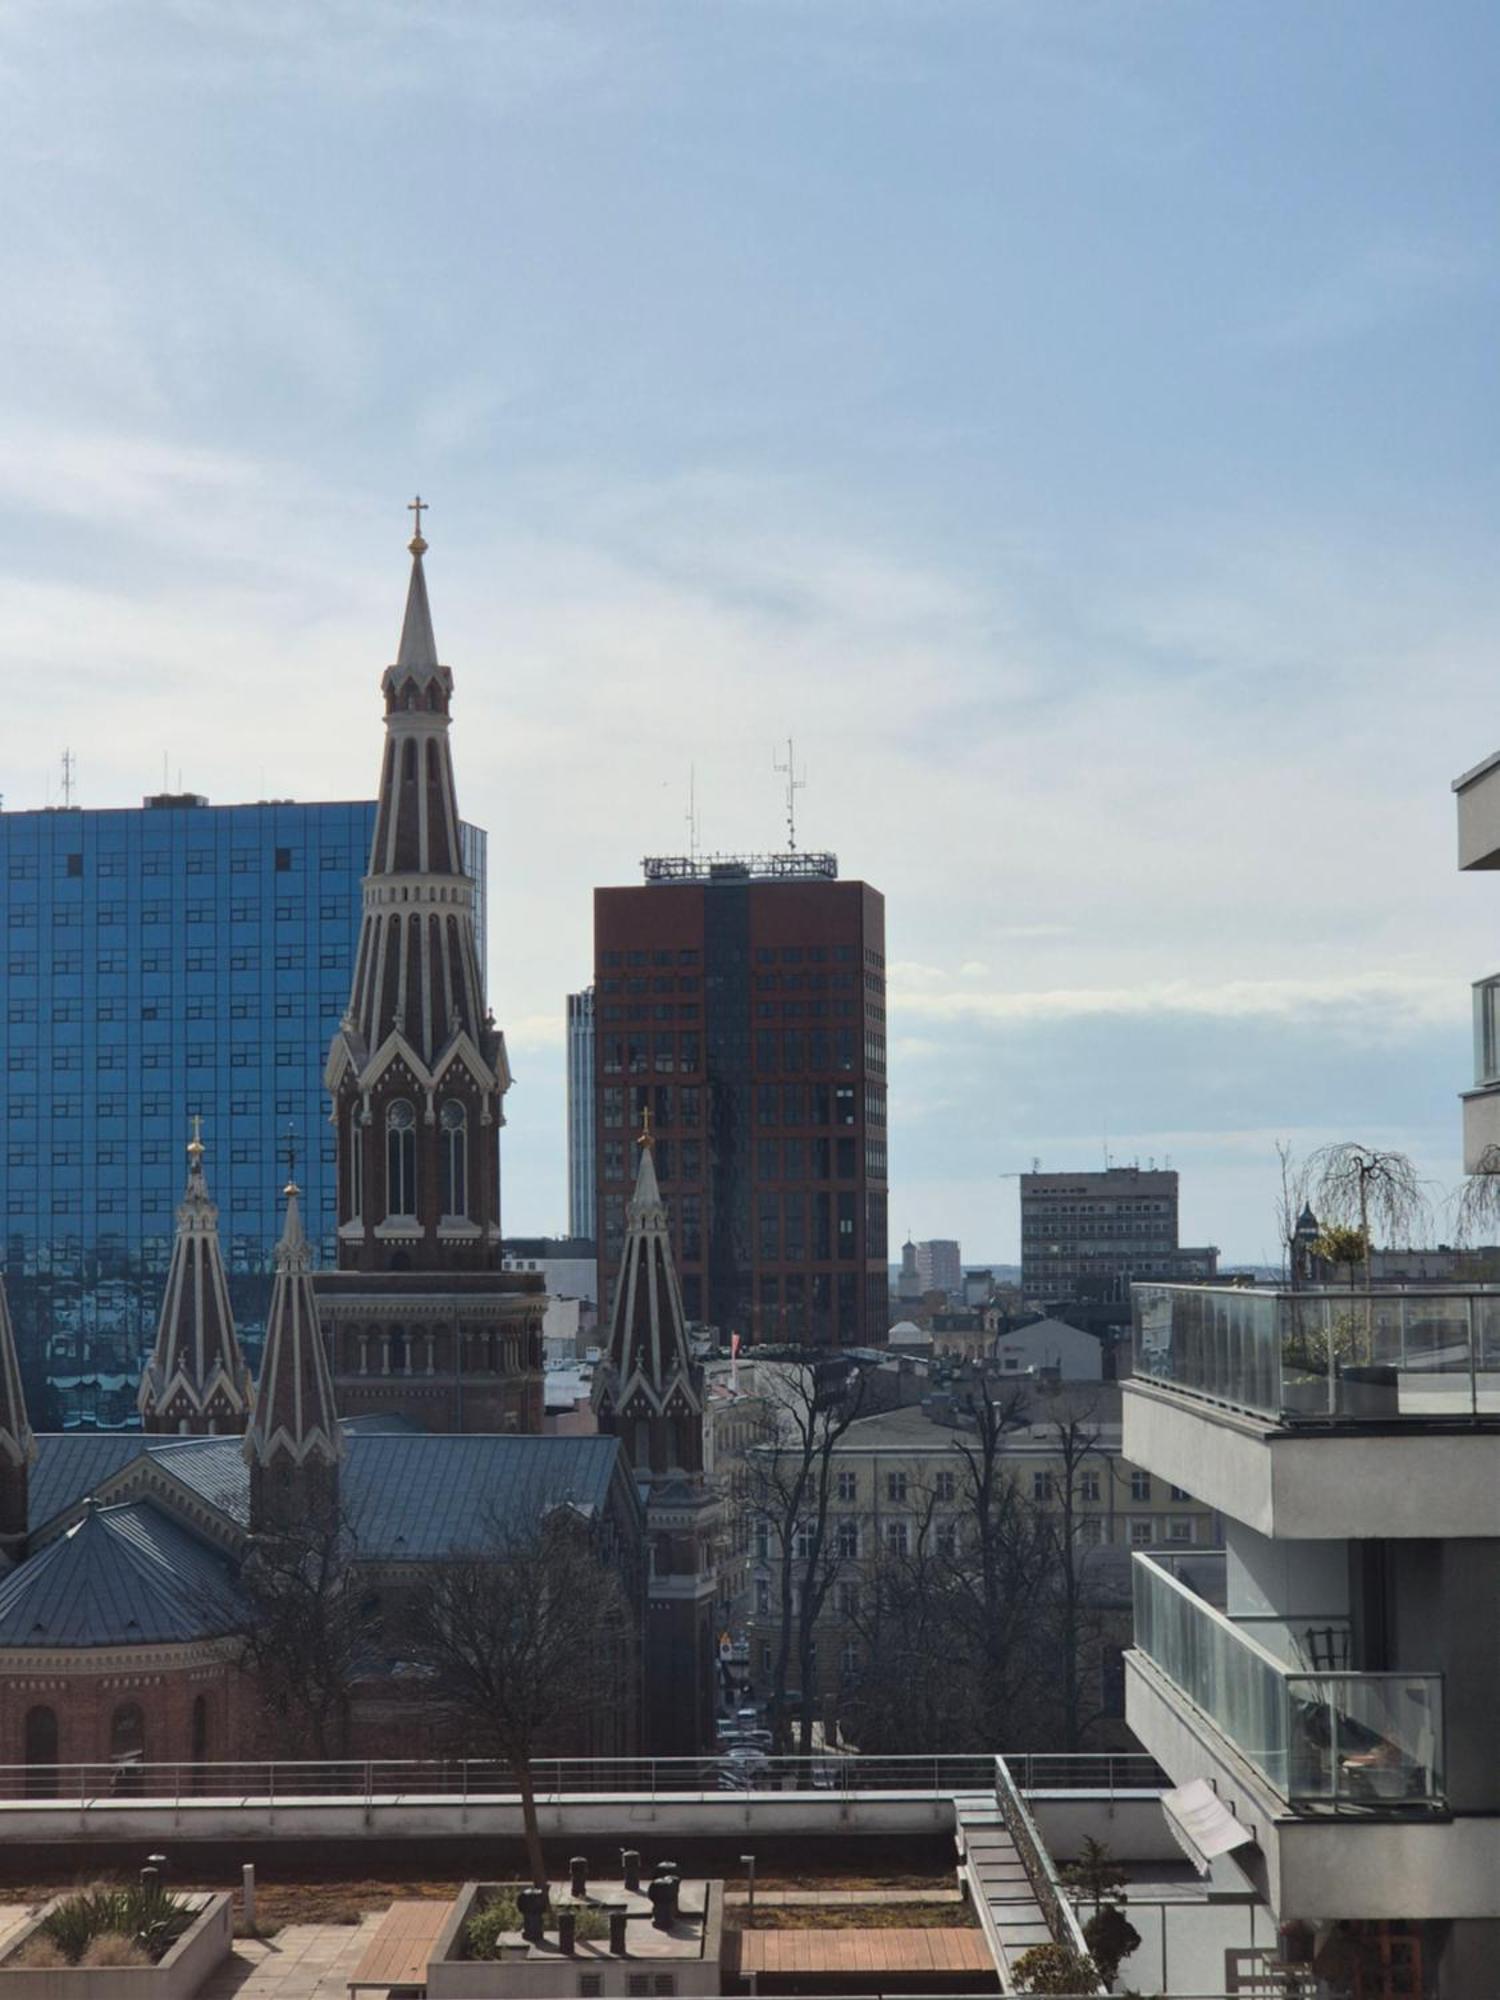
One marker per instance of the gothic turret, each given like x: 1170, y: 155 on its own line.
x: 649, y: 1394
x: 196, y: 1379
x: 650, y: 1390
x: 17, y: 1445
x: 417, y: 1070
x: 294, y: 1443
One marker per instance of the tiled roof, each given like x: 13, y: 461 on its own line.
x: 212, y: 1467
x: 121, y: 1576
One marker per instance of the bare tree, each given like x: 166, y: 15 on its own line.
x: 1068, y: 1599
x: 1477, y: 1208
x: 529, y: 1643
x: 1367, y: 1188
x: 306, y: 1635
x: 1296, y: 1181
x: 810, y: 1407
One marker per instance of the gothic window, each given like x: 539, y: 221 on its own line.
x: 454, y: 1157
x: 401, y: 1159
x: 356, y: 1164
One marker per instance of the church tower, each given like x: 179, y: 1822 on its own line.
x: 649, y: 1394
x: 421, y: 1318
x: 196, y: 1379
x: 294, y: 1444
x: 17, y: 1445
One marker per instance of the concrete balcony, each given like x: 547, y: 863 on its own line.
x: 1478, y: 794
x: 1318, y: 1735
x: 1322, y: 1414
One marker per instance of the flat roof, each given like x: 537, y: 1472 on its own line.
x: 1478, y: 771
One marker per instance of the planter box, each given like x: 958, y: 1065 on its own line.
x: 685, y: 1965
x: 205, y: 1944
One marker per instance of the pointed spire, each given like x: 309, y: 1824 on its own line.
x: 196, y: 1379
x: 295, y: 1429
x: 417, y: 653
x: 650, y: 1373
x: 17, y: 1444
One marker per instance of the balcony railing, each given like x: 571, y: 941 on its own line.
x: 1325, y: 1356
x: 1319, y: 1738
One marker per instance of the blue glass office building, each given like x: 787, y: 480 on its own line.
x: 177, y: 959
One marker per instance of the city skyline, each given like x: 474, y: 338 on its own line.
x: 1118, y: 560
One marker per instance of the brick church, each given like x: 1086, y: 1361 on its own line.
x: 400, y: 1393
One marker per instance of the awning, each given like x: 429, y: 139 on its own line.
x: 1202, y: 1825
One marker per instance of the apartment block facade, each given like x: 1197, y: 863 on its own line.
x: 740, y: 1010
x: 583, y: 1171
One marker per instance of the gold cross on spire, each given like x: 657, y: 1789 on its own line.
x: 291, y: 1160
x: 418, y: 507
x: 646, y: 1139
x: 195, y: 1144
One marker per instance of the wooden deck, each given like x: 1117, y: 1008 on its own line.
x: 864, y: 1953
x: 397, y: 1957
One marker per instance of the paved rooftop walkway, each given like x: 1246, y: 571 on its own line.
x: 302, y: 1962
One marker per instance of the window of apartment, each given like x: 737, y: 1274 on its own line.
x: 846, y: 1599
x: 1088, y: 1485
x: 283, y: 860
x: 847, y: 1487
x: 947, y: 1539
x: 895, y: 1487
x: 946, y: 1486
x: 1091, y: 1531
x: 1140, y: 1485
x: 1180, y: 1493
x: 846, y: 1541
x: 762, y: 1598
x: 1041, y: 1485
x: 1180, y: 1530
x: 897, y: 1539
x: 1140, y: 1534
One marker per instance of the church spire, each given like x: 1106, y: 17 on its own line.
x: 417, y: 1069
x: 650, y: 1375
x: 294, y: 1443
x: 196, y: 1379
x: 17, y: 1445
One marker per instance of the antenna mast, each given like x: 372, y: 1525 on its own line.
x: 692, y: 813
x: 794, y: 784
x: 68, y: 762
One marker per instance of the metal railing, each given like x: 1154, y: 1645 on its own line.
x: 1412, y: 1355
x: 1372, y: 1740
x: 1041, y: 1871
x: 378, y: 1781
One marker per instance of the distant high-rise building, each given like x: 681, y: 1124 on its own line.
x: 1086, y: 1236
x: 939, y: 1266
x: 161, y: 961
x: 582, y: 1165
x: 742, y: 1003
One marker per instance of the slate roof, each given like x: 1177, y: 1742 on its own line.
x: 121, y: 1576
x: 409, y: 1495
x: 70, y: 1464
x: 432, y: 1495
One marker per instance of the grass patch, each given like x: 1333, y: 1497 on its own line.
x: 858, y: 1917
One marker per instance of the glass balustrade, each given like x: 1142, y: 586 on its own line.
x: 1335, y: 1738
x: 1324, y: 1356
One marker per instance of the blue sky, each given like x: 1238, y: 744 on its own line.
x: 1077, y: 423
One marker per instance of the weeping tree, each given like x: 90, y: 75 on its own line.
x: 1366, y: 1188
x: 1477, y: 1209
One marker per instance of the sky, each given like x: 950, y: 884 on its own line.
x: 1075, y: 424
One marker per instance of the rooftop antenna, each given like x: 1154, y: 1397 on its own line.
x: 692, y: 812
x: 794, y: 784
x: 68, y: 763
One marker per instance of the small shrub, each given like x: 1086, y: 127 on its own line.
x: 40, y: 1954
x: 1053, y: 1968
x: 591, y: 1924
x: 114, y: 1948
x: 151, y: 1918
x: 484, y: 1931
x: 1111, y: 1937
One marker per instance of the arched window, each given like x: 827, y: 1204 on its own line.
x: 127, y: 1734
x: 401, y: 1159
x: 356, y: 1163
x: 400, y: 1352
x: 455, y: 1157
x: 41, y: 1752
